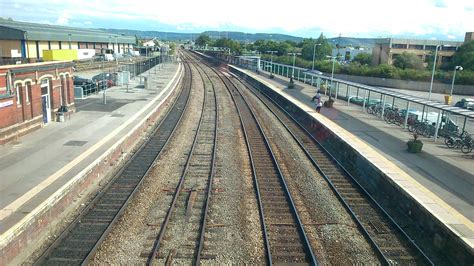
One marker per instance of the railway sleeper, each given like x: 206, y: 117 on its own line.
x: 57, y: 253
x: 289, y: 257
x: 62, y: 261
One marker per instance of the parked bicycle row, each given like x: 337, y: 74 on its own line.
x: 424, y: 125
x: 463, y: 141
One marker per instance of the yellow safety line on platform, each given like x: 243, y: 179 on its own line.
x: 389, y: 168
x: 12, y: 207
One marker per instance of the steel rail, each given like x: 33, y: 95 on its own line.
x: 211, y: 177
x: 304, y: 146
x: 43, y: 259
x: 305, y: 242
x: 178, y: 189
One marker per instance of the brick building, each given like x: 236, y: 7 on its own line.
x: 385, y: 51
x: 30, y: 95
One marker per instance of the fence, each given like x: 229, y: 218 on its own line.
x: 437, y: 114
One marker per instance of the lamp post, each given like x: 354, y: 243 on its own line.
x: 271, y: 61
x: 314, y: 53
x: 294, y: 59
x: 454, y: 76
x: 69, y: 38
x: 333, y: 58
x: 434, y: 67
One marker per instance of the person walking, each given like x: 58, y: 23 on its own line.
x: 318, y: 106
x: 316, y: 97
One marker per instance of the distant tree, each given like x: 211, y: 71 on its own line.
x: 138, y: 41
x: 363, y: 59
x: 408, y: 61
x: 464, y: 57
x: 172, y: 48
x: 264, y: 47
x: 323, y: 48
x: 235, y: 47
x: 203, y: 39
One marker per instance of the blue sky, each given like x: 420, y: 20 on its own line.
x: 430, y: 19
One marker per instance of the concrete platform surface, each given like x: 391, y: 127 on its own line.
x: 439, y: 178
x: 38, y: 164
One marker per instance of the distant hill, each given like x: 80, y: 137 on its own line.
x: 240, y: 36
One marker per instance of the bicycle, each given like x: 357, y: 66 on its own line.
x: 467, y: 145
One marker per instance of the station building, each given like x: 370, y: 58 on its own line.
x: 31, y: 94
x: 26, y: 41
x: 387, y: 49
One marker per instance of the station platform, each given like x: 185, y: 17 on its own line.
x: 441, y: 179
x: 37, y: 167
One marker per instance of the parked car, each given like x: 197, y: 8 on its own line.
x: 466, y: 103
x: 88, y: 85
x: 104, y: 78
x: 317, y: 72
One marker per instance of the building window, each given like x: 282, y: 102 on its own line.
x: 415, y: 46
x: 18, y: 90
x: 27, y: 92
x: 399, y: 46
x: 449, y: 48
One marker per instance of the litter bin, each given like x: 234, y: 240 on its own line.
x: 447, y: 99
x: 60, y: 116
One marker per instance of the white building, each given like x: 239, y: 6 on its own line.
x: 348, y: 53
x: 150, y: 43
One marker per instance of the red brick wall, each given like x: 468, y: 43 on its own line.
x: 21, y: 114
x: 8, y: 113
x: 36, y: 100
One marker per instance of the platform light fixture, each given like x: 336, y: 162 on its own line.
x: 314, y: 53
x: 454, y: 76
x: 294, y: 59
x: 434, y: 67
x: 271, y: 60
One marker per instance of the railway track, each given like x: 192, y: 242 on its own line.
x: 78, y: 243
x: 284, y: 236
x: 181, y: 235
x: 392, y: 244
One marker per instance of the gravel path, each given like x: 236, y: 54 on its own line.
x: 334, y: 236
x: 133, y: 236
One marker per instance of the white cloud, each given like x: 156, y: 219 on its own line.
x: 63, y: 19
x: 349, y: 18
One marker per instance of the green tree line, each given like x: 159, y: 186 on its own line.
x: 405, y: 66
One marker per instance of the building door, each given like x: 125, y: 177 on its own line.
x: 45, y: 101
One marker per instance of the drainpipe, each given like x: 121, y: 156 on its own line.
x: 9, y: 80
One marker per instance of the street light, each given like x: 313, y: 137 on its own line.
x: 314, y: 53
x: 294, y: 59
x: 271, y: 60
x: 332, y: 72
x: 434, y: 67
x: 454, y: 76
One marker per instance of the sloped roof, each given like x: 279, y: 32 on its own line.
x: 13, y: 30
